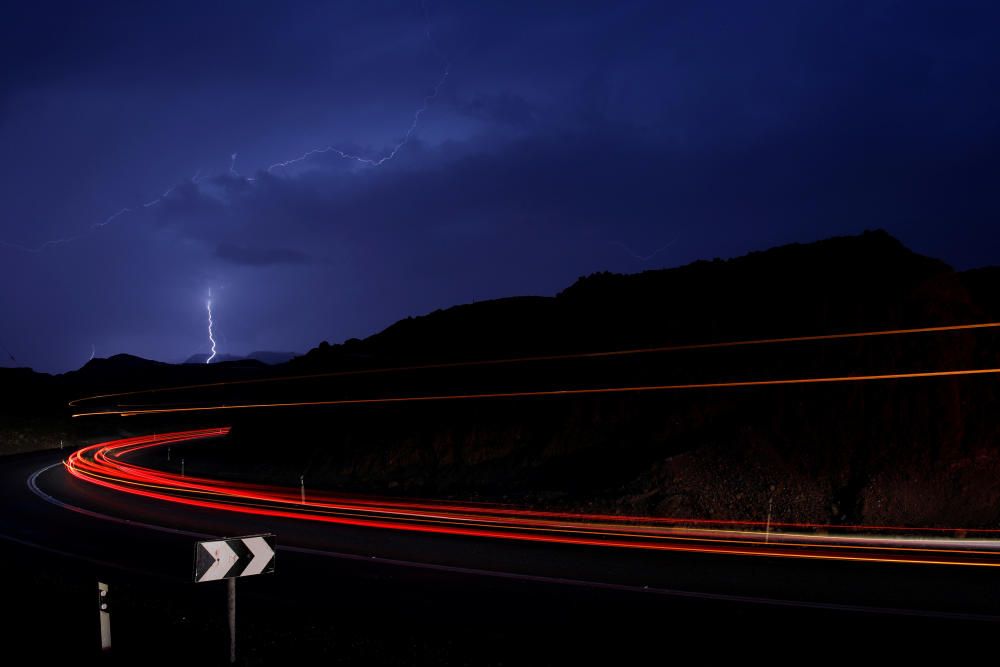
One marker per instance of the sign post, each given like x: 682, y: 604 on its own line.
x: 230, y: 559
x: 231, y: 613
x: 104, y: 611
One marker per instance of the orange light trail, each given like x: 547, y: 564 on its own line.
x: 104, y: 465
x: 552, y: 392
x: 557, y: 357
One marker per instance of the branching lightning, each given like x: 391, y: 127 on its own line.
x: 12, y: 358
x: 378, y: 162
x: 372, y: 162
x: 366, y: 161
x: 642, y: 258
x: 211, y: 335
x: 111, y: 218
x: 43, y: 246
x: 154, y: 202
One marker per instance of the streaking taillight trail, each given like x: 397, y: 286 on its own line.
x: 106, y: 464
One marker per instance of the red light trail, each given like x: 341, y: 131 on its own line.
x: 105, y: 465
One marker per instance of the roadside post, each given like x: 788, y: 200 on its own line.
x: 104, y: 611
x: 230, y: 559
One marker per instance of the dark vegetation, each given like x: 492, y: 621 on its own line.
x: 919, y: 452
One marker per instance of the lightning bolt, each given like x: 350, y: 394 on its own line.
x: 211, y: 335
x: 96, y: 226
x: 93, y: 352
x: 4, y: 347
x: 643, y: 258
x: 366, y: 161
x: 111, y: 218
x: 43, y: 246
x: 372, y: 162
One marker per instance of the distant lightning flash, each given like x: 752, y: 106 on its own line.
x: 366, y: 161
x: 4, y: 348
x: 642, y: 258
x: 371, y: 162
x: 211, y: 335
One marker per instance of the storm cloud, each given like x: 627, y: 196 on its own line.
x: 569, y: 137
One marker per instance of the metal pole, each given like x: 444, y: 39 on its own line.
x: 104, y: 611
x: 302, y: 483
x: 767, y: 530
x: 231, y: 597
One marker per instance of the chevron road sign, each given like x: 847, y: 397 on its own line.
x: 234, y: 557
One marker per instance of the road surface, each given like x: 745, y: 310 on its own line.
x: 47, y: 507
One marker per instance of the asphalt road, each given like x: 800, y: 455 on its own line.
x: 509, y: 590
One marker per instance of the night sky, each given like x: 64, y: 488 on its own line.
x: 567, y: 138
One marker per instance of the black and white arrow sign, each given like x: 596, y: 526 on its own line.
x: 234, y: 557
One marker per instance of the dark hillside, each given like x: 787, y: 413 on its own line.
x: 917, y: 451
x: 841, y: 284
x: 921, y: 452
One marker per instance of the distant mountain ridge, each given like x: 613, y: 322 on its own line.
x: 263, y: 356
x: 870, y: 280
x: 918, y: 452
x: 842, y: 283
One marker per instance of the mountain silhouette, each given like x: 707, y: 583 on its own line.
x: 913, y: 452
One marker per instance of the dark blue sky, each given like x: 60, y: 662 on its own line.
x: 568, y: 137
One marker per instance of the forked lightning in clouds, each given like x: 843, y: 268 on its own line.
x: 642, y: 258
x: 371, y: 162
x: 233, y: 173
x: 4, y: 348
x: 430, y: 97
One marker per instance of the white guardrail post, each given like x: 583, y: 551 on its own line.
x: 104, y: 611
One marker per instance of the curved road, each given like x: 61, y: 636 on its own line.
x: 45, y: 507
